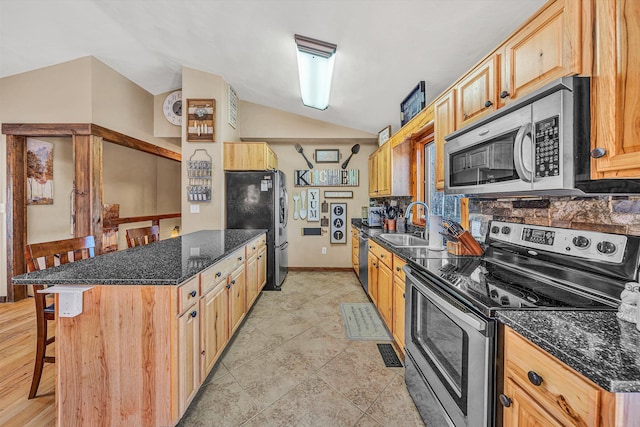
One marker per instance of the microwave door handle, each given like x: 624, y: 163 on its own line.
x: 518, y: 157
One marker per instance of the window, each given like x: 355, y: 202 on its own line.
x: 447, y: 206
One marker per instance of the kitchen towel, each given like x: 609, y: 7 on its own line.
x: 435, y: 228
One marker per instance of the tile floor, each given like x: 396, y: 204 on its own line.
x: 290, y: 364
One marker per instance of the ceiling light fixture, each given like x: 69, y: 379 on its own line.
x: 315, y: 70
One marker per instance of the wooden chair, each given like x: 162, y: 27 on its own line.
x: 39, y: 256
x: 142, y: 236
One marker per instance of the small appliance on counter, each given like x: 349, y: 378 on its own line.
x: 376, y: 216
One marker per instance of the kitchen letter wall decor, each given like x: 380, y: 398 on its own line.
x: 338, y: 223
x: 326, y: 178
x: 313, y: 211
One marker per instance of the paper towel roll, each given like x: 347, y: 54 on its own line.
x: 435, y: 227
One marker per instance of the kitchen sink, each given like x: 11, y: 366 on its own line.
x: 401, y: 240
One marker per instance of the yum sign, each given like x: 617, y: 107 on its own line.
x: 313, y: 204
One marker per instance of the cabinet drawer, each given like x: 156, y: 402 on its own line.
x: 562, y: 392
x: 254, y: 246
x: 188, y: 294
x: 398, y: 263
x: 381, y: 253
x: 220, y: 270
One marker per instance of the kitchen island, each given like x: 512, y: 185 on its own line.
x: 153, y: 324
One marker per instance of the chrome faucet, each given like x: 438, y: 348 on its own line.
x: 408, y: 212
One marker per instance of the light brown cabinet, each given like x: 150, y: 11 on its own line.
x: 355, y: 250
x: 214, y: 335
x: 249, y: 156
x: 254, y: 265
x: 380, y: 171
x: 615, y: 111
x: 236, y: 287
x: 444, y: 124
x: 262, y: 267
x: 398, y: 309
x: 381, y: 280
x: 188, y: 351
x: 372, y: 272
x: 540, y: 390
x: 476, y: 92
x: 546, y: 48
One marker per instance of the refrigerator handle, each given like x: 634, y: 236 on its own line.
x: 286, y: 207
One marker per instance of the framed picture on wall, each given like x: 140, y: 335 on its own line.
x: 327, y: 156
x: 338, y: 225
x: 384, y: 135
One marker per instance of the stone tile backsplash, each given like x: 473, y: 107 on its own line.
x: 609, y: 214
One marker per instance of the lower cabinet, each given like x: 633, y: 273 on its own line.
x: 188, y: 356
x: 398, y: 301
x: 380, y: 280
x: 214, y: 335
x: 256, y: 266
x: 540, y: 390
x: 236, y: 287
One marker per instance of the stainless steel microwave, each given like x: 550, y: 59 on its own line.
x: 537, y: 145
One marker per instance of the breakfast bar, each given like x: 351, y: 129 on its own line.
x: 154, y: 321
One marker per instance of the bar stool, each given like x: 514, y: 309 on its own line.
x: 39, y: 256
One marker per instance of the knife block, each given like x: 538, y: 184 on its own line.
x: 457, y: 248
x: 467, y: 245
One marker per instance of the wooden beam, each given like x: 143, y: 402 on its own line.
x: 77, y: 129
x: 97, y: 192
x: 46, y: 129
x: 16, y: 203
x: 136, y: 144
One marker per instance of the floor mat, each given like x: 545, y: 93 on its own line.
x: 389, y: 356
x: 362, y: 322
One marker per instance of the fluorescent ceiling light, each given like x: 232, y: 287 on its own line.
x: 315, y: 70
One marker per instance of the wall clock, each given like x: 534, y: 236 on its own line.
x: 172, y: 107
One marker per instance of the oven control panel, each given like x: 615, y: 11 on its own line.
x: 578, y: 243
x: 547, y: 144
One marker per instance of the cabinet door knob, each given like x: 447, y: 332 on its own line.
x: 488, y: 104
x: 596, y: 153
x: 193, y: 293
x: 194, y: 313
x: 397, y: 268
x: 239, y: 258
x: 233, y: 282
x: 228, y: 286
x: 506, y: 402
x: 534, y: 378
x: 218, y: 274
x: 504, y: 94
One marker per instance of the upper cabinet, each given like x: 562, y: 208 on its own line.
x: 477, y: 92
x: 249, y: 156
x: 546, y: 48
x: 444, y: 123
x: 615, y: 85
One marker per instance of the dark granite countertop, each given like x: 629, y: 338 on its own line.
x: 168, y: 262
x: 596, y: 344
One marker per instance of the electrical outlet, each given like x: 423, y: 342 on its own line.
x: 195, y: 208
x: 324, y: 250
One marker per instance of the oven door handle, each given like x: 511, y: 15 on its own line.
x: 518, y: 156
x: 443, y: 305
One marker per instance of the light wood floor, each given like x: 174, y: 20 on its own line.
x: 17, y: 350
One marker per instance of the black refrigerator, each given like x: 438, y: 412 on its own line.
x: 258, y: 199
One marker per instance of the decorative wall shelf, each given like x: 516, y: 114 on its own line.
x: 201, y: 120
x: 200, y: 174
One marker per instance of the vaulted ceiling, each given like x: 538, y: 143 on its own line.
x: 385, y: 47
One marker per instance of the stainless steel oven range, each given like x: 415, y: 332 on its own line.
x: 451, y: 302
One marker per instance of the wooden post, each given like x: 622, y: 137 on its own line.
x: 88, y: 193
x: 16, y: 213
